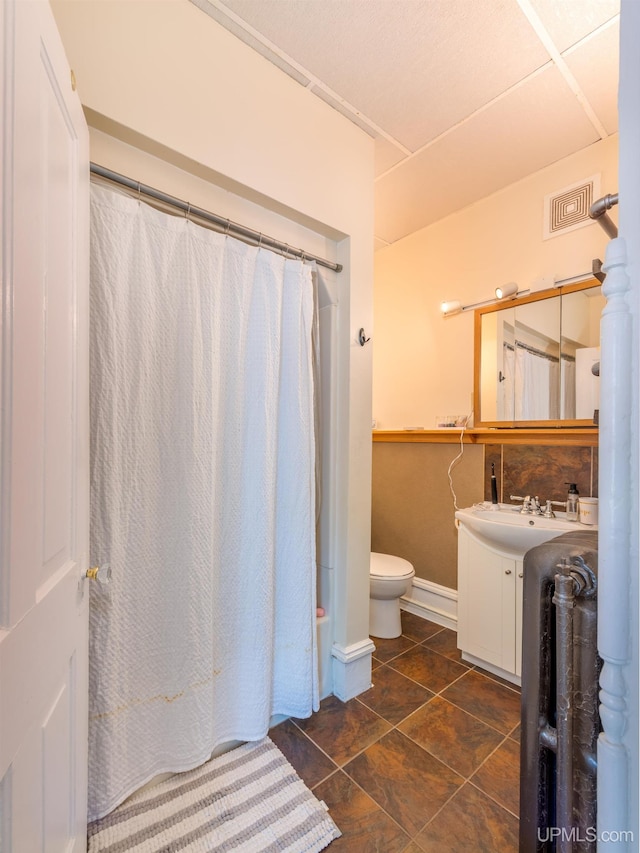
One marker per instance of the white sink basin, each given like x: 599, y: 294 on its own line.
x: 507, y: 529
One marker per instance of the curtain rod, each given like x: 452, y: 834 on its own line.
x: 540, y: 353
x: 215, y: 222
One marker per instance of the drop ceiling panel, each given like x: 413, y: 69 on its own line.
x: 412, y: 68
x: 512, y: 138
x: 594, y: 64
x: 568, y: 21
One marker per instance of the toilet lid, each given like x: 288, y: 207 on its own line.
x: 388, y: 566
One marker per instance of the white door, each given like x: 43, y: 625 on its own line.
x: 43, y: 440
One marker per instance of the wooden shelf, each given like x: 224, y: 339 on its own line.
x: 576, y: 436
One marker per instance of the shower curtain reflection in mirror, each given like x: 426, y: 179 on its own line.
x: 536, y: 386
x: 202, y: 494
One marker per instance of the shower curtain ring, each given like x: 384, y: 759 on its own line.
x: 260, y: 241
x: 187, y: 212
x: 228, y: 228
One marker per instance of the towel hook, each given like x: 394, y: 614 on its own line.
x: 362, y: 339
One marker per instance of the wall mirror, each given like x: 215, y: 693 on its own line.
x: 537, y: 358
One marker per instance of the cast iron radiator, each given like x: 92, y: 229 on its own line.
x: 560, y: 669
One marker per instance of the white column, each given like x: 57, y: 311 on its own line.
x: 614, y: 545
x: 618, y: 766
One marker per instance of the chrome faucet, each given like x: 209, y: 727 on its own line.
x: 548, y: 512
x: 531, y: 506
x: 528, y: 505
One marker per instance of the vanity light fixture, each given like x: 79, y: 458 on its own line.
x: 507, y: 291
x: 573, y: 279
x: 451, y: 307
x: 596, y: 272
x: 543, y: 282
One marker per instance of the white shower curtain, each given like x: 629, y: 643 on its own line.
x: 530, y: 386
x: 203, y: 494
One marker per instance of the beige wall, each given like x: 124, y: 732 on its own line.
x: 165, y: 71
x: 161, y: 78
x: 423, y: 362
x: 413, y: 510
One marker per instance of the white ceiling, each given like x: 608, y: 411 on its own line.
x: 462, y: 97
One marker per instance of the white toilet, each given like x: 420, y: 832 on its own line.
x: 389, y: 578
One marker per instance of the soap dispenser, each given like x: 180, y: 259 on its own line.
x: 572, y: 502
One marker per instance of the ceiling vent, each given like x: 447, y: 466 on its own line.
x: 568, y: 208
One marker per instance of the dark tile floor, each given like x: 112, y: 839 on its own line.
x: 426, y: 760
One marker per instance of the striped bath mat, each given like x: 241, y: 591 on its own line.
x: 248, y: 800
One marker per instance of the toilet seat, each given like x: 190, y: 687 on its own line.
x: 388, y: 566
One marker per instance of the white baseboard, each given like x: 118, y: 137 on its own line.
x: 351, y: 669
x: 431, y: 601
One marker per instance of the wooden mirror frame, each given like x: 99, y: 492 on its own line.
x: 514, y: 303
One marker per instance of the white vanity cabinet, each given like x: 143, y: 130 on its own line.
x: 492, y: 542
x: 489, y: 606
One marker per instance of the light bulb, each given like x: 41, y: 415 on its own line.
x: 507, y: 290
x: 451, y: 307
